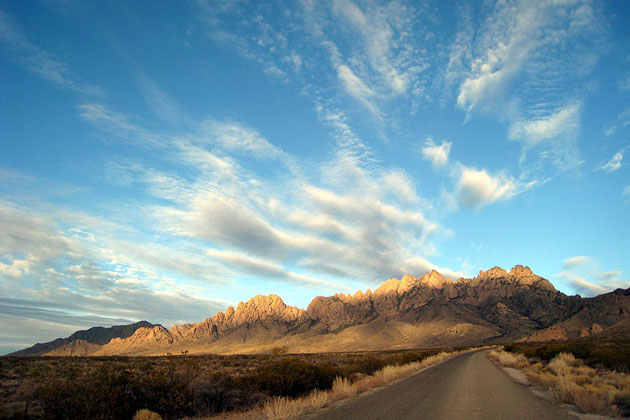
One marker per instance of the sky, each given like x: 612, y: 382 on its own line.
x: 164, y: 160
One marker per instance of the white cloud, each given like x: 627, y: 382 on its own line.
x: 577, y: 261
x: 81, y: 276
x: 437, y: 154
x: 163, y: 105
x: 378, y: 39
x: 236, y: 137
x: 563, y: 121
x: 626, y: 193
x: 118, y: 124
x: 266, y: 269
x: 584, y: 275
x: 613, y: 164
x: 28, y: 241
x: 477, y: 188
x: 354, y: 223
x: 622, y: 121
x: 583, y: 286
x: 523, y: 63
x: 401, y: 186
x: 523, y: 39
x: 356, y: 87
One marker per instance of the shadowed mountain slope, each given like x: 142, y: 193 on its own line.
x: 92, y: 338
x: 496, y: 306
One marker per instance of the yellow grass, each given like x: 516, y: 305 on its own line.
x: 593, y: 391
x: 145, y: 414
x: 507, y: 359
x: 562, y: 363
x: 342, y: 388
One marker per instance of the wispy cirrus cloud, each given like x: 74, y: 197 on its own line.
x: 564, y: 121
x: 517, y: 52
x: 584, y: 275
x: 614, y: 164
x: 622, y: 121
x: 45, y: 64
x: 233, y: 136
x: 325, y: 229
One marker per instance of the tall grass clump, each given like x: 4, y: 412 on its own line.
x: 507, y: 359
x: 562, y: 363
x: 342, y: 388
x: 145, y: 414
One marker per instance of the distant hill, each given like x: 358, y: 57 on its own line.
x: 497, y: 306
x: 84, y: 339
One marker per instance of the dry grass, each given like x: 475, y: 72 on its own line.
x: 562, y: 363
x: 145, y: 414
x: 284, y: 408
x: 508, y: 359
x: 596, y: 391
x: 342, y: 388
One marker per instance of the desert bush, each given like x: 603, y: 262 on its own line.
x: 562, y: 363
x: 593, y: 391
x: 589, y: 400
x: 610, y: 354
x: 276, y: 351
x: 342, y: 388
x: 280, y: 408
x: 290, y: 377
x: 177, y: 386
x: 565, y: 388
x: 504, y: 358
x: 115, y: 393
x: 145, y: 414
x: 317, y: 399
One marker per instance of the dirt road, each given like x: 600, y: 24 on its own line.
x: 467, y: 386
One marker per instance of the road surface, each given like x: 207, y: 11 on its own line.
x: 467, y: 386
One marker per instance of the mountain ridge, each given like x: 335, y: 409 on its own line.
x: 430, y: 310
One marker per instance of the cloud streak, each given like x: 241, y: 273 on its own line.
x: 583, y: 274
x: 613, y: 164
x: 39, y: 61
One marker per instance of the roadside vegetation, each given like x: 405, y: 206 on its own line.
x: 588, y: 383
x: 281, y: 408
x: 173, y: 387
x: 611, y: 354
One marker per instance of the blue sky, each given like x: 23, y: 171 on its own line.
x: 163, y: 160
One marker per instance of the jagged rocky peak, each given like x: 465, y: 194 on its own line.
x: 434, y: 279
x: 493, y: 273
x: 519, y: 274
x: 521, y: 271
x: 262, y: 307
x: 387, y: 286
x: 429, y: 279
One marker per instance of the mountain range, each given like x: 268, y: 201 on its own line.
x: 496, y: 306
